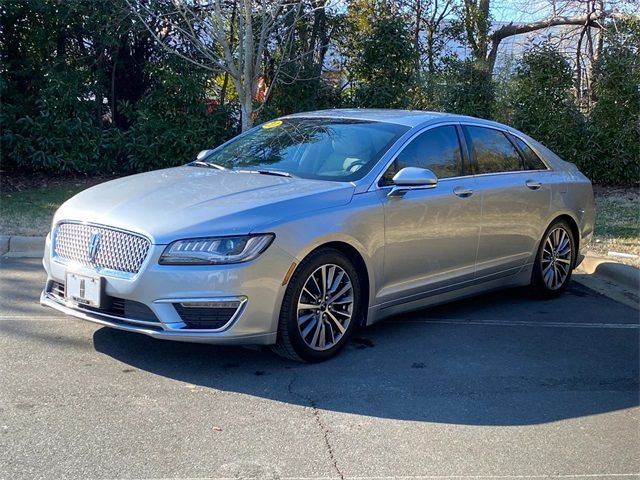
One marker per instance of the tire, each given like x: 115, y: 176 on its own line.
x: 554, y: 265
x: 304, y: 334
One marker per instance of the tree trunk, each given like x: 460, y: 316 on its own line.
x: 577, y: 84
x: 247, y: 112
x: 61, y: 44
x: 595, y: 50
x: 248, y: 80
x: 98, y: 88
x: 225, y: 83
x: 416, y: 33
x: 431, y: 65
x: 477, y: 26
x: 223, y: 90
x: 319, y: 38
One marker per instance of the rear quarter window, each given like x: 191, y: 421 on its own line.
x: 531, y: 159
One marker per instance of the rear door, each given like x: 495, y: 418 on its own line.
x: 513, y: 185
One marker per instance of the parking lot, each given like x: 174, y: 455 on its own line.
x: 496, y: 386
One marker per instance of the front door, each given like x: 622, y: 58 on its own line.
x: 431, y: 235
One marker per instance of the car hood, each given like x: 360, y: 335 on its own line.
x: 183, y: 202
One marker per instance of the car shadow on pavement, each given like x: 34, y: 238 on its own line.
x: 499, y: 359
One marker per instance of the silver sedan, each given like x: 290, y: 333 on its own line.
x: 300, y: 230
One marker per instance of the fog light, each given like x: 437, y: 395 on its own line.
x: 210, y: 314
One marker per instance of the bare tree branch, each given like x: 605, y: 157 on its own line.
x: 202, y: 32
x: 592, y: 19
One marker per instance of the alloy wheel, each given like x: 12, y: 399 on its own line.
x: 325, y: 307
x: 556, y: 258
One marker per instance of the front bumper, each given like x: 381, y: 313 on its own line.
x: 160, y: 288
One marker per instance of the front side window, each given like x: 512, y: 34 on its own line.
x: 316, y: 148
x: 492, y: 150
x: 437, y: 149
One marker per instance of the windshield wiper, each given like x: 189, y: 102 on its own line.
x: 200, y: 163
x: 277, y: 173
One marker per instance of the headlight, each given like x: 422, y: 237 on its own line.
x: 215, y: 251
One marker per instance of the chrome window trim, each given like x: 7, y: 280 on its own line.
x: 180, y: 326
x: 106, y: 272
x: 374, y: 186
x: 420, y: 130
x: 422, y: 187
x: 516, y: 172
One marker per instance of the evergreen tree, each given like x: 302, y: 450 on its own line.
x: 381, y: 64
x: 542, y: 104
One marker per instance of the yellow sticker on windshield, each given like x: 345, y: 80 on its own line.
x: 274, y: 124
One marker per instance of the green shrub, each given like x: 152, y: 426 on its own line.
x: 382, y: 64
x: 61, y: 136
x: 172, y: 122
x: 541, y: 103
x: 466, y: 89
x: 613, y: 156
x: 300, y: 96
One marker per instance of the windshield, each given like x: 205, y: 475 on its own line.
x: 317, y: 148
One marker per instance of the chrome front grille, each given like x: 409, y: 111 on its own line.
x: 100, y: 247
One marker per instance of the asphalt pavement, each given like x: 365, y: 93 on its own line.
x: 498, y: 386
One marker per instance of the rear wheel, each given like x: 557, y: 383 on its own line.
x: 320, y: 308
x: 555, y: 260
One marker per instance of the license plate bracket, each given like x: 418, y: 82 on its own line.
x: 83, y: 289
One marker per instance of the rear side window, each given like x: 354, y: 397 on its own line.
x: 531, y: 160
x: 437, y: 149
x: 493, y: 151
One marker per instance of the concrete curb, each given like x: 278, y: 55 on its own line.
x: 4, y: 244
x: 17, y: 246
x: 626, y: 276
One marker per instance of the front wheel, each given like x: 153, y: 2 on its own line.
x: 555, y: 260
x: 320, y: 308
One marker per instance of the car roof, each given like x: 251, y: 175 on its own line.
x: 410, y: 118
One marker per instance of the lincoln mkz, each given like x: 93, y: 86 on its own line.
x: 307, y: 227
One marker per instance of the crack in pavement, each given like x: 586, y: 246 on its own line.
x: 324, y: 429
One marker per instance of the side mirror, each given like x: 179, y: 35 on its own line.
x: 411, y: 178
x: 203, y: 153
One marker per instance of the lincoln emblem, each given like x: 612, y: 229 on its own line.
x: 94, y: 244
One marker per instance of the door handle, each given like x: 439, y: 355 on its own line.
x: 463, y: 192
x: 533, y: 185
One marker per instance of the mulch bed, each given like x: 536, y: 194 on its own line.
x: 600, y: 190
x: 18, y: 182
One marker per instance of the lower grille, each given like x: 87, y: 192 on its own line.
x: 115, y: 306
x: 206, y: 318
x: 57, y: 289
